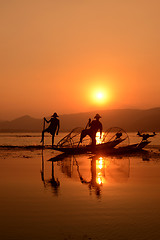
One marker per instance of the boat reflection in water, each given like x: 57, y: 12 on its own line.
x: 94, y: 171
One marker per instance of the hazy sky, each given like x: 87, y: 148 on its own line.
x: 55, y: 55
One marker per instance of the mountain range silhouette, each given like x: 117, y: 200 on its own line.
x: 129, y: 119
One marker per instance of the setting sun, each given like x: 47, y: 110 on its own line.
x: 98, y: 91
x: 100, y: 96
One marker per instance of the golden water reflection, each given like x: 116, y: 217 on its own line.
x: 100, y: 170
x: 93, y: 171
x: 68, y: 202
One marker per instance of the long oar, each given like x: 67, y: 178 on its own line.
x: 43, y: 130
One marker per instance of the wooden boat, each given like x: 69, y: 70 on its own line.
x: 70, y: 144
x: 108, y: 148
x: 103, y: 147
x: 110, y: 143
x: 132, y: 148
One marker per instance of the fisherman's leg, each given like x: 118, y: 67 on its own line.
x: 84, y: 133
x: 42, y: 136
x: 93, y: 137
x: 93, y: 141
x: 53, y: 139
x: 45, y: 130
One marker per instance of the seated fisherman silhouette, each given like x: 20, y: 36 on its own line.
x: 53, y: 127
x: 94, y: 127
x: 118, y: 135
x: 145, y: 136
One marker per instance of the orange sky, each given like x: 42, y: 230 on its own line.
x: 56, y: 54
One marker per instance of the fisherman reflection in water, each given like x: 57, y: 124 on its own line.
x: 53, y: 127
x: 92, y: 184
x: 53, y: 182
x: 94, y: 127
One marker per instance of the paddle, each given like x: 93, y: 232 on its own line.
x: 43, y: 130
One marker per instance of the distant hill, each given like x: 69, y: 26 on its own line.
x: 128, y: 119
x: 22, y: 124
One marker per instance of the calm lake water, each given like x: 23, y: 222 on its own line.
x: 79, y: 197
x: 26, y: 139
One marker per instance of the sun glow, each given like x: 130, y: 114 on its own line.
x: 100, y: 96
x: 98, y: 91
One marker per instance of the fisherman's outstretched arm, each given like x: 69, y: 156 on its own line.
x: 152, y: 135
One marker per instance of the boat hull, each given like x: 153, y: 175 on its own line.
x: 104, y: 147
x: 108, y: 147
x: 133, y: 148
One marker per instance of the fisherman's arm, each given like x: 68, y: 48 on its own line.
x: 139, y: 134
x: 47, y: 120
x: 152, y: 135
x: 89, y: 122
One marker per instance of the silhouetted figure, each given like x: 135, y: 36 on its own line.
x: 42, y: 170
x: 92, y: 184
x: 145, y: 136
x: 94, y: 126
x: 54, y: 182
x: 53, y: 127
x: 118, y: 135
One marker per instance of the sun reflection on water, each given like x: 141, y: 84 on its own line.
x: 100, y: 170
x: 95, y: 171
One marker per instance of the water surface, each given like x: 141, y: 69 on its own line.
x: 80, y: 197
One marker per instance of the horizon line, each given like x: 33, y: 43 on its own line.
x: 64, y: 114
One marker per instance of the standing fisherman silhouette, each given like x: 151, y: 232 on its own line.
x: 94, y: 125
x: 53, y: 127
